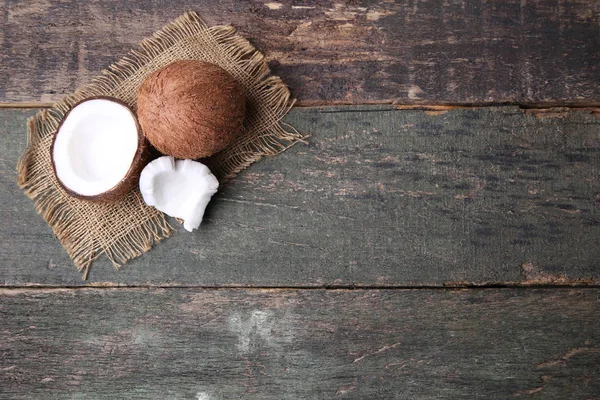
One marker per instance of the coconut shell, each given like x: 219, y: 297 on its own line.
x: 141, y: 158
x: 191, y: 109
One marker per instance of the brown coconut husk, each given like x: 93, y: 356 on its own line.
x: 191, y: 109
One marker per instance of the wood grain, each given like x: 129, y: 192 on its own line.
x: 289, y: 344
x: 432, y: 51
x: 379, y: 197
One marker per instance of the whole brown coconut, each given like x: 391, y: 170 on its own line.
x: 191, y: 109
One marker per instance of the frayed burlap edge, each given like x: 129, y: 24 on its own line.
x: 265, y: 135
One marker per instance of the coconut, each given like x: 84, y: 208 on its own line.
x: 99, y: 150
x: 191, y: 109
x: 179, y: 188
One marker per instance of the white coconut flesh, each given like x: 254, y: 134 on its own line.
x: 95, y: 146
x: 181, y: 189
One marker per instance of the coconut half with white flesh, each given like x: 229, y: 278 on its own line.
x: 99, y: 150
x: 181, y: 189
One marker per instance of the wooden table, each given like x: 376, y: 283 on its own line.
x: 439, y: 237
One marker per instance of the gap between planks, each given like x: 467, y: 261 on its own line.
x: 590, y: 106
x: 347, y: 288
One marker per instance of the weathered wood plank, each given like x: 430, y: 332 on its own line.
x: 379, y: 197
x: 408, y: 51
x: 289, y: 344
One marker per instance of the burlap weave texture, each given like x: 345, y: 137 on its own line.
x: 126, y: 229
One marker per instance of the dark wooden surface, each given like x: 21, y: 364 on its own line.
x: 380, y: 200
x: 412, y: 51
x: 379, y: 197
x: 289, y: 344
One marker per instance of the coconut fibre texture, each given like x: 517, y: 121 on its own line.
x: 128, y: 228
x: 201, y: 109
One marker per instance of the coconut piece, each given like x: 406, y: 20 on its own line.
x: 191, y: 109
x: 98, y: 150
x: 181, y: 189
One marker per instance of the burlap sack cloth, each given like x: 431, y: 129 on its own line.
x: 128, y: 228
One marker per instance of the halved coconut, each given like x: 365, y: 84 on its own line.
x: 99, y: 150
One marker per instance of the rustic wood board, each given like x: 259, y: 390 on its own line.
x: 410, y: 51
x: 306, y: 344
x: 379, y: 197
